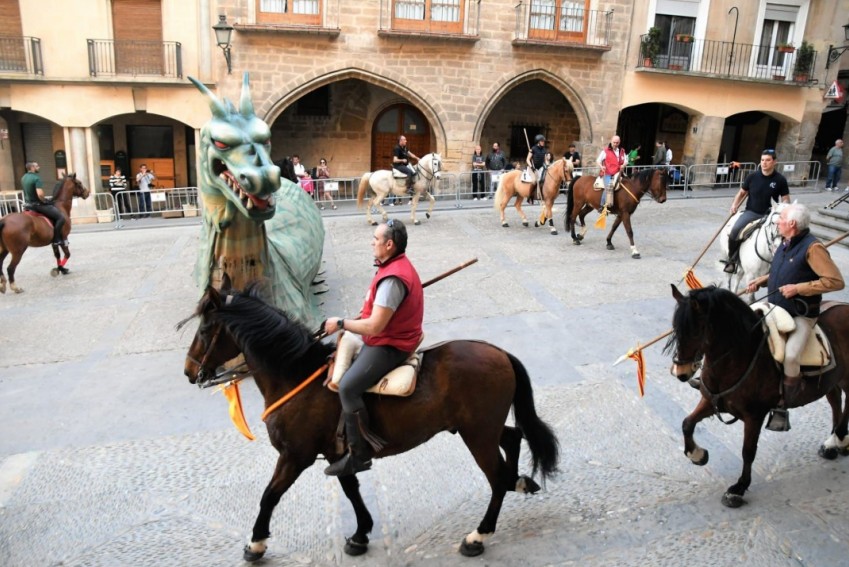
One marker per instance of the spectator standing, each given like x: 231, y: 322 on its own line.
x: 303, y: 175
x: 573, y: 155
x: 834, y: 161
x: 668, y: 153
x: 496, y: 161
x: 144, y: 179
x: 659, y: 157
x: 478, y: 175
x: 118, y: 184
x: 322, y: 172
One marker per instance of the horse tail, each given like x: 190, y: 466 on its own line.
x: 570, y: 202
x: 545, y: 449
x: 2, y: 223
x: 499, y: 194
x: 361, y: 192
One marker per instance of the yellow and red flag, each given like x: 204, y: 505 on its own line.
x: 692, y: 281
x: 237, y: 415
x: 637, y: 356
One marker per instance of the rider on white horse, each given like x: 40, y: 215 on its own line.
x: 760, y: 187
x: 400, y: 161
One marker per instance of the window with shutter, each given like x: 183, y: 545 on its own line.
x: 137, y: 32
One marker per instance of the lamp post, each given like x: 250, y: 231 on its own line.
x: 223, y: 32
x: 834, y: 53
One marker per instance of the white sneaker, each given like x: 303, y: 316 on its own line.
x: 475, y: 199
x: 828, y: 188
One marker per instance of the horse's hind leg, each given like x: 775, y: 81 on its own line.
x: 3, y: 255
x: 752, y: 424
x: 511, y: 443
x: 357, y: 544
x: 610, y: 234
x: 414, y: 204
x: 13, y: 265
x: 484, y: 449
x: 285, y: 473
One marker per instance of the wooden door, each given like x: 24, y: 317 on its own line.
x: 137, y: 31
x: 394, y: 121
x: 14, y: 55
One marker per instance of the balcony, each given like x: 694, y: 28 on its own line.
x: 430, y: 19
x: 21, y: 54
x: 311, y: 17
x: 722, y: 59
x: 110, y: 58
x: 561, y: 24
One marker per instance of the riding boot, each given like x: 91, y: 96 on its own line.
x: 410, y: 190
x: 733, y: 253
x: 361, y: 441
x: 779, y: 418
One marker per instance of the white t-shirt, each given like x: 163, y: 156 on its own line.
x: 299, y: 170
x: 668, y: 156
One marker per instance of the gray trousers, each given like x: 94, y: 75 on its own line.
x: 796, y: 343
x: 371, y: 365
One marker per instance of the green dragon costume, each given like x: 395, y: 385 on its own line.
x: 255, y: 224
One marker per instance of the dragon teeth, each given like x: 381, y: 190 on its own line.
x: 250, y: 204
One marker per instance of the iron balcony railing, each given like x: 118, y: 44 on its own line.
x: 107, y: 57
x: 21, y: 54
x: 726, y: 59
x: 460, y: 18
x: 561, y: 22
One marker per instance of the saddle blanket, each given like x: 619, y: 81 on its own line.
x: 36, y: 214
x: 399, y: 174
x: 399, y: 382
x: 779, y: 324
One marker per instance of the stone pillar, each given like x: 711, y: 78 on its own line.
x: 79, y: 162
x: 7, y: 173
x: 703, y: 139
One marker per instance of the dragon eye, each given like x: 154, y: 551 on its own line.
x: 221, y: 145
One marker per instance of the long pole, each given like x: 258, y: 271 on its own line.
x: 462, y: 266
x: 705, y: 249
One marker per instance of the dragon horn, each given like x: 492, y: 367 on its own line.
x: 218, y: 109
x: 246, y: 106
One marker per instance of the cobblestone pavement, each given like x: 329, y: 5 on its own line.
x: 109, y: 457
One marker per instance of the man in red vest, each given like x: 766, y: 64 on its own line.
x: 611, y: 160
x: 390, y: 323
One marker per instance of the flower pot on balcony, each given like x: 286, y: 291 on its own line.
x: 778, y: 77
x: 786, y: 49
x: 673, y: 67
x: 647, y: 62
x: 683, y: 38
x: 802, y: 78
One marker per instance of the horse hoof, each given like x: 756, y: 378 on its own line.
x: 536, y: 224
x: 471, y: 549
x: 17, y: 289
x: 731, y: 500
x: 251, y: 556
x: 636, y: 256
x: 525, y: 223
x: 704, y: 460
x: 417, y: 222
x: 54, y: 272
x: 355, y: 548
x: 553, y: 233
x: 373, y: 223
x: 610, y: 246
x: 427, y: 215
x: 580, y: 237
x: 829, y: 453
x: 504, y: 224
x: 576, y: 241
x: 527, y: 485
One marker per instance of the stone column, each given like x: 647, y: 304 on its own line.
x: 703, y: 139
x: 79, y: 162
x: 7, y: 173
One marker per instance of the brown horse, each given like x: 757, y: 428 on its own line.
x: 740, y: 376
x: 511, y: 184
x: 282, y: 355
x: 557, y: 174
x: 19, y: 231
x: 583, y: 198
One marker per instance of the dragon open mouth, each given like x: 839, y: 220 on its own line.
x: 248, y: 200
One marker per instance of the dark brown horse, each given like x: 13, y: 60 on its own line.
x: 583, y: 198
x: 740, y: 377
x: 558, y: 173
x: 465, y: 387
x: 19, y: 231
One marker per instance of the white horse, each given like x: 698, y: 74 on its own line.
x: 380, y: 183
x: 756, y: 251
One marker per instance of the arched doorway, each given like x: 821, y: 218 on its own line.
x: 746, y: 134
x: 646, y: 124
x: 393, y: 121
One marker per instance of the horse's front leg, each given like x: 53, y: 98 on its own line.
x: 357, y: 544
x: 838, y: 442
x: 616, y: 224
x: 626, y: 220
x: 752, y: 424
x: 285, y: 473
x: 432, y: 201
x: 692, y: 450
x: 3, y: 255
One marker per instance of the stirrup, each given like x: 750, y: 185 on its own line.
x: 347, y: 465
x: 779, y: 420
x: 730, y: 267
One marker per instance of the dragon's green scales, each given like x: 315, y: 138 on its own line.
x: 255, y: 224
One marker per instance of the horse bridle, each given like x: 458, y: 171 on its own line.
x: 771, y: 237
x: 225, y: 374
x: 435, y: 165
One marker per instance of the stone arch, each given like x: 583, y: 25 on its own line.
x: 272, y: 108
x: 574, y: 96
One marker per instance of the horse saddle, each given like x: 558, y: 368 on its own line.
x: 399, y: 174
x: 817, y: 355
x: 528, y: 176
x: 36, y: 214
x: 598, y: 184
x: 400, y: 381
x: 750, y: 228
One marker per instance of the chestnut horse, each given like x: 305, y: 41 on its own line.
x: 558, y: 173
x: 511, y: 184
x: 583, y: 198
x: 284, y: 357
x: 19, y: 231
x: 740, y: 376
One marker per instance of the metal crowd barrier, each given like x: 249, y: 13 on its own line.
x: 11, y: 202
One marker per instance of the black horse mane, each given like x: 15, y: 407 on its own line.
x: 61, y: 183
x: 729, y: 323
x: 287, y: 169
x: 266, y: 334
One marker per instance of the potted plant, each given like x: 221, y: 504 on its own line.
x: 804, y: 62
x: 683, y: 38
x: 778, y: 77
x: 650, y: 47
x: 785, y: 47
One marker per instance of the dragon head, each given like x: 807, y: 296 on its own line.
x: 235, y: 157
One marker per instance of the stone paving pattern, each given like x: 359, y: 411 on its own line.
x: 109, y: 457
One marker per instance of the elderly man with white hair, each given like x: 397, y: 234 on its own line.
x: 802, y: 270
